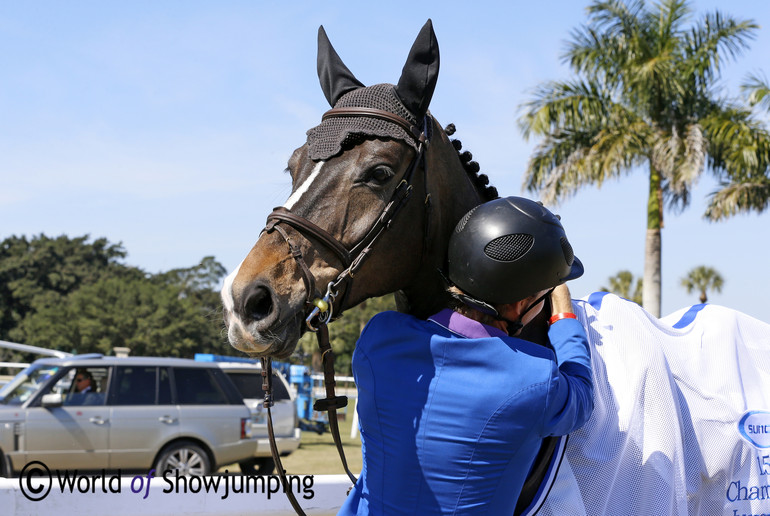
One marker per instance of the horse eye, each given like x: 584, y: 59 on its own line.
x: 381, y: 175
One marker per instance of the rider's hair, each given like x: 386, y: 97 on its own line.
x: 472, y: 168
x: 463, y: 309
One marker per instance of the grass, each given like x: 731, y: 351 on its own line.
x: 317, y: 454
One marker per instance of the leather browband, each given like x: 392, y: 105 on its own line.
x: 374, y: 113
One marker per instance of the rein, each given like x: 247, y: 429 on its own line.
x: 322, y: 309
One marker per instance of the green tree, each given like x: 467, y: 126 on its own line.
x: 748, y: 187
x: 45, y: 270
x: 644, y: 99
x: 72, y: 295
x: 701, y: 279
x: 200, y: 278
x: 757, y: 89
x: 622, y: 283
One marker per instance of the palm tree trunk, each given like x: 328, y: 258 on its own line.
x: 651, y: 299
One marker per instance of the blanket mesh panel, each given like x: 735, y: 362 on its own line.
x: 663, y: 438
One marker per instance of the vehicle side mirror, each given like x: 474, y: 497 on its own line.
x: 51, y: 400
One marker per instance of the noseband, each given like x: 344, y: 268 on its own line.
x: 321, y: 310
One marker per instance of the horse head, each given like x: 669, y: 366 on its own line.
x: 377, y: 189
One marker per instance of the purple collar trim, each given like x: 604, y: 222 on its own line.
x: 463, y: 326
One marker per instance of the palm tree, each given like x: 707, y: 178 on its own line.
x: 621, y: 283
x: 701, y: 279
x: 748, y: 187
x: 757, y: 90
x: 644, y: 98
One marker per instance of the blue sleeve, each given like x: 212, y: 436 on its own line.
x: 571, y: 390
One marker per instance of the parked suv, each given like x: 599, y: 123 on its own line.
x: 247, y: 378
x: 90, y: 412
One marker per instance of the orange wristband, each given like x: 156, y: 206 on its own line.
x: 563, y: 315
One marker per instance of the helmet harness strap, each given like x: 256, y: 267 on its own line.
x: 515, y: 326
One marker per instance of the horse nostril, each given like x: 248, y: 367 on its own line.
x: 258, y: 304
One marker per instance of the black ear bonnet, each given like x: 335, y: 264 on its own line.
x: 409, y: 99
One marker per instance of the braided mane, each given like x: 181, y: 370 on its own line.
x: 472, y: 168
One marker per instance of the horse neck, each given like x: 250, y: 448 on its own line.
x: 452, y: 194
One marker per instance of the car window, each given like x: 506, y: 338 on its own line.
x: 88, y: 386
x: 230, y: 390
x: 135, y: 385
x: 26, y: 383
x: 250, y: 385
x: 196, y: 386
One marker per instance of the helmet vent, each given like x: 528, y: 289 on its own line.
x: 509, y: 247
x: 569, y: 254
x: 464, y: 221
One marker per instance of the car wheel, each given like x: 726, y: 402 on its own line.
x: 185, y: 458
x: 257, y: 466
x: 5, y: 468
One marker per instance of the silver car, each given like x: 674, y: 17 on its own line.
x: 248, y: 379
x: 92, y: 412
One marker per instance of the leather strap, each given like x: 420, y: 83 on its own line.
x: 332, y: 402
x: 267, y: 387
x: 303, y: 225
x: 374, y: 113
x: 296, y: 252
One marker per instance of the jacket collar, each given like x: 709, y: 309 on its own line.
x: 463, y: 326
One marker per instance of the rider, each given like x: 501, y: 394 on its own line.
x: 453, y: 409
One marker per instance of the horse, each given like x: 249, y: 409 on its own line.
x: 343, y: 180
x: 681, y: 423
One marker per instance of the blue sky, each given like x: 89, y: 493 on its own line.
x: 166, y: 126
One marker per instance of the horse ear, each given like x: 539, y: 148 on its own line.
x: 336, y: 79
x: 420, y: 73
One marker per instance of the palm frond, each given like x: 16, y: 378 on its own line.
x: 713, y: 37
x: 555, y: 165
x: 670, y: 16
x: 680, y: 161
x: 616, y: 17
x: 576, y: 105
x: 757, y: 89
x: 739, y: 197
x: 738, y: 144
x: 564, y: 162
x: 597, y: 56
x: 618, y: 148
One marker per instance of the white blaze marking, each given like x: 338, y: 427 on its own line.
x: 227, y: 289
x: 304, y: 187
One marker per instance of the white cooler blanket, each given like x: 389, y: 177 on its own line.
x: 681, y: 424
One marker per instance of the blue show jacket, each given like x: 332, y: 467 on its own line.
x: 452, y: 411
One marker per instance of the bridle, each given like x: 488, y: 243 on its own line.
x: 321, y: 310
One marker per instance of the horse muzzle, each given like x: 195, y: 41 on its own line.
x: 254, y: 325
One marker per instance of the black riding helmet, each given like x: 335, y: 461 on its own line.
x: 508, y: 249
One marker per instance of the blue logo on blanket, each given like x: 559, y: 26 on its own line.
x: 754, y: 427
